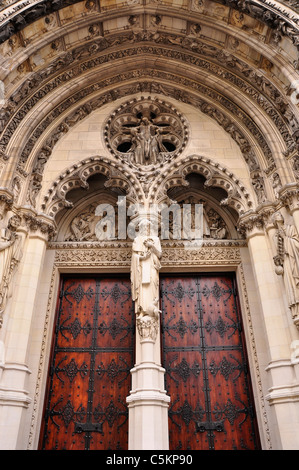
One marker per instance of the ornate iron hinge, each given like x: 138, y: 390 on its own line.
x: 88, y: 427
x: 210, y: 426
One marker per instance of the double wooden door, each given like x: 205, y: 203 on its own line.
x: 203, y: 352
x: 207, y: 375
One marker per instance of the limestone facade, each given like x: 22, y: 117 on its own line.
x: 220, y: 80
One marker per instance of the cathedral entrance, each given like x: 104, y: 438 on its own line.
x: 207, y: 374
x: 203, y: 353
x: 89, y: 377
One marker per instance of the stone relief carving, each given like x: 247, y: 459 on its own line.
x: 276, y: 184
x: 11, y: 244
x: 146, y: 132
x: 259, y: 187
x: 287, y: 262
x: 84, y: 226
x: 296, y: 167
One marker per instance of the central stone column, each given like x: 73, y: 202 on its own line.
x: 148, y: 402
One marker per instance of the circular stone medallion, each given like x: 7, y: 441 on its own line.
x: 146, y: 132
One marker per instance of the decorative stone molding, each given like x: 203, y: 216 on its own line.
x: 289, y: 196
x: 26, y: 12
x: 215, y: 175
x: 269, y: 13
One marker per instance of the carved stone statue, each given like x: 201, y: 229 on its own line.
x: 145, y: 266
x: 10, y: 256
x: 147, y: 143
x: 287, y: 262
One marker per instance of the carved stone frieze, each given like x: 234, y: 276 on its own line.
x: 117, y: 254
x: 271, y: 14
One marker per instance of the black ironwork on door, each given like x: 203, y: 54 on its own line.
x: 89, y: 377
x: 207, y: 375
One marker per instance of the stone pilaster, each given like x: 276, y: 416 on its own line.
x: 15, y: 336
x: 282, y: 386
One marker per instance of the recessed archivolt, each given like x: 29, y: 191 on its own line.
x: 43, y: 149
x: 254, y: 85
x: 228, y: 69
x: 216, y: 106
x: 225, y: 120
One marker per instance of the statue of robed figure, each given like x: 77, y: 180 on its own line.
x: 145, y: 266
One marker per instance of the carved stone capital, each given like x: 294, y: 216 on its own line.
x: 6, y: 202
x: 251, y: 225
x: 40, y: 225
x: 289, y: 196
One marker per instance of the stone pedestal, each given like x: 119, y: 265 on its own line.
x: 148, y: 403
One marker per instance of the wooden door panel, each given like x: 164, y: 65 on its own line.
x: 202, y: 333
x: 92, y: 356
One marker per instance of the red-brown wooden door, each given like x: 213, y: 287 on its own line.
x: 207, y: 375
x: 89, y: 377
